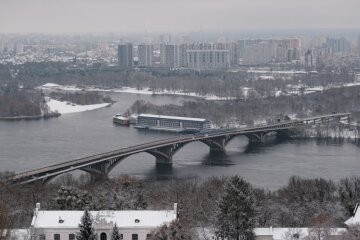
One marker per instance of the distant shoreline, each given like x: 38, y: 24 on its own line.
x: 37, y: 117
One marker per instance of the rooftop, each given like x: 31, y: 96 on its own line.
x: 354, y: 219
x: 123, y: 219
x: 173, y: 117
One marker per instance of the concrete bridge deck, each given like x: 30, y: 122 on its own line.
x: 101, y: 164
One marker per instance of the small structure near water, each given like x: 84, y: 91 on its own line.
x: 119, y: 119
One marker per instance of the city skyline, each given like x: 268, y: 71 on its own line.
x: 140, y: 16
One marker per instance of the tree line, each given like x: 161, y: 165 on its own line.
x: 80, y: 98
x: 20, y: 102
x: 346, y: 99
x: 203, y: 203
x: 219, y: 83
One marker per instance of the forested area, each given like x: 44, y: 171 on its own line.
x: 23, y: 103
x: 344, y: 99
x: 222, y: 84
x: 80, y: 98
x: 201, y: 202
x: 16, y: 102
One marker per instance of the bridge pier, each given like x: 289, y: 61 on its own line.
x: 102, y: 169
x: 256, y: 137
x: 218, y: 144
x: 260, y: 137
x: 164, y: 155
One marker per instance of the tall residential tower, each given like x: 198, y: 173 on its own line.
x: 145, y: 55
x: 125, y: 55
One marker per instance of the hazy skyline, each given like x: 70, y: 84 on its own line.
x: 135, y: 16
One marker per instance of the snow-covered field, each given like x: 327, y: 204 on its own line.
x: 67, y: 107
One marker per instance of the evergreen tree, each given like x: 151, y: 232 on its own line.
x: 71, y: 198
x: 87, y: 231
x: 236, y: 211
x: 115, y: 233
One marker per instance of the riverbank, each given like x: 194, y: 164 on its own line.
x: 335, y: 131
x: 15, y: 118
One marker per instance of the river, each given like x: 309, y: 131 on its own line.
x: 30, y: 144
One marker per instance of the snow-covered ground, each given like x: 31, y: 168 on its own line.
x: 332, y: 133
x: 145, y: 91
x: 67, y: 107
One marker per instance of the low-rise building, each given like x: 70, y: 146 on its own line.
x: 132, y: 224
x: 355, y: 219
x: 172, y: 123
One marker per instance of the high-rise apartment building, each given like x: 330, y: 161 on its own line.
x: 145, y: 53
x: 233, y: 49
x: 338, y: 45
x: 125, y: 55
x: 2, y: 47
x: 264, y: 51
x: 167, y: 55
x: 19, y: 48
x: 208, y: 59
x: 173, y: 55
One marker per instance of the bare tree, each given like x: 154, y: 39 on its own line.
x: 294, y: 234
x: 5, y: 222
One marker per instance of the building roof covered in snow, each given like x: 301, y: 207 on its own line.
x: 172, y: 117
x: 355, y: 219
x: 123, y: 219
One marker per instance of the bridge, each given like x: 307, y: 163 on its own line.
x: 163, y: 150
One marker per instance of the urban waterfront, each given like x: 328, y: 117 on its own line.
x: 26, y: 145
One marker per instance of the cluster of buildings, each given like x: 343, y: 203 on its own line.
x: 174, y: 56
x: 138, y: 225
x: 227, y: 54
x: 76, y: 50
x: 331, y: 48
x: 221, y: 55
x: 12, y: 47
x: 175, y: 53
x: 260, y: 51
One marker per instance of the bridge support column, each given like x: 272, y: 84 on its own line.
x: 218, y: 144
x: 101, y: 170
x: 160, y: 160
x: 164, y: 155
x: 256, y: 137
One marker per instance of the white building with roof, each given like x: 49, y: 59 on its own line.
x: 355, y: 219
x: 132, y: 224
x: 172, y: 123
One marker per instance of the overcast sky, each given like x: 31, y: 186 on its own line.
x: 175, y: 15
